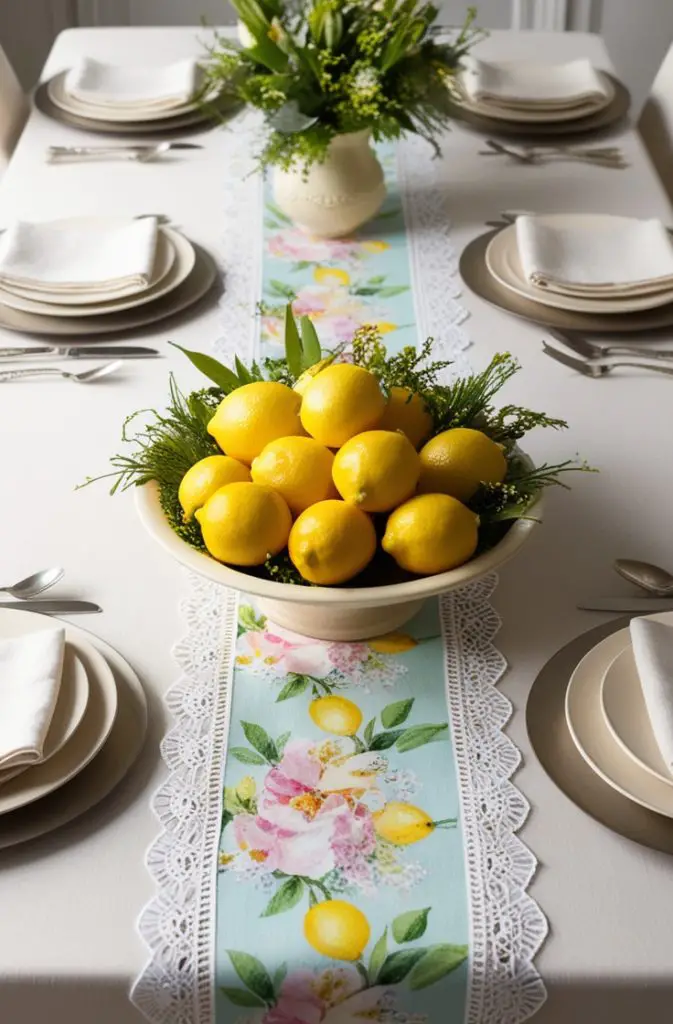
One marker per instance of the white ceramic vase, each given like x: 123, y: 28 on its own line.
x: 336, y: 196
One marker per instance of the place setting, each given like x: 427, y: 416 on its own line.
x: 73, y: 713
x: 88, y: 276
x: 132, y: 99
x: 588, y: 273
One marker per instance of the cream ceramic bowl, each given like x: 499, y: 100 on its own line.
x: 331, y: 613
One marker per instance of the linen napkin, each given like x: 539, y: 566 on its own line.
x: 526, y: 85
x: 620, y: 256
x: 653, y: 650
x: 75, y: 257
x: 30, y: 679
x: 148, y: 87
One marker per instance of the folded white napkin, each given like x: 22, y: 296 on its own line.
x: 128, y: 86
x: 30, y: 679
x: 526, y: 85
x: 76, y: 257
x: 617, y: 256
x: 653, y: 651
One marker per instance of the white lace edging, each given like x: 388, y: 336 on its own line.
x: 507, y: 926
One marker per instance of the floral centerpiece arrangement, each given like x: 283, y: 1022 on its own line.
x: 327, y: 75
x: 353, y: 467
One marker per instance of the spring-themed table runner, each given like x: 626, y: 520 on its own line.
x: 338, y: 822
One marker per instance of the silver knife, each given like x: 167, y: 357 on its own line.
x: 53, y: 607
x: 640, y: 605
x: 80, y: 352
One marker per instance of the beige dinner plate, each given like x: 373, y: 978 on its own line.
x: 503, y: 262
x: 593, y: 738
x: 58, y: 95
x: 601, y: 118
x: 500, y: 113
x: 192, y: 289
x: 91, y: 733
x: 104, y: 773
x: 176, y: 256
x: 625, y: 712
x: 73, y: 696
x: 479, y: 279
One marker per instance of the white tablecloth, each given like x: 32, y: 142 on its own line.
x: 68, y: 946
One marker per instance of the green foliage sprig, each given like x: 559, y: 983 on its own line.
x: 321, y: 68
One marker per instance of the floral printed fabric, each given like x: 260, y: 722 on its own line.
x: 340, y: 283
x: 342, y: 893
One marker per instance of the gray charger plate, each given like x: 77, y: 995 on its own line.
x: 186, y: 294
x: 551, y: 740
x: 605, y: 118
x: 478, y: 279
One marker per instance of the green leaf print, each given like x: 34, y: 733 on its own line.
x: 367, y: 291
x: 395, y: 714
x: 279, y: 976
x: 282, y: 291
x: 259, y: 738
x: 271, y: 224
x: 378, y: 956
x: 301, y: 265
x: 396, y: 966
x: 369, y: 731
x: 241, y: 996
x: 391, y: 292
x: 253, y: 974
x: 227, y: 816
x: 246, y: 756
x: 293, y: 688
x: 383, y: 740
x: 377, y: 280
x: 277, y: 212
x: 285, y: 898
x: 411, y: 925
x: 437, y: 962
x: 281, y: 741
x: 418, y: 736
x: 248, y: 619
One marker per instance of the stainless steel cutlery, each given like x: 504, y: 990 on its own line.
x: 595, y: 351
x: 639, y: 605
x: 134, y: 152
x: 605, y: 156
x: 51, y: 371
x: 33, y: 585
x: 80, y: 352
x: 602, y: 369
x: 53, y: 607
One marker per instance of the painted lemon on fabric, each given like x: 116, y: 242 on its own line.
x: 299, y: 468
x: 205, y: 477
x: 393, y: 643
x: 244, y: 523
x: 431, y: 533
x: 406, y: 411
x: 331, y: 542
x: 336, y: 715
x: 337, y: 929
x: 252, y: 416
x: 457, y: 461
x: 341, y: 401
x: 376, y: 470
x: 402, y: 824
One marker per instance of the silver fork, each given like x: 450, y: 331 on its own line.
x: 591, y: 350
x: 535, y: 158
x: 600, y: 369
x: 51, y: 371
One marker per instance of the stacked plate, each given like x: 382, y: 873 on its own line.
x: 609, y: 722
x: 523, y: 97
x: 96, y: 733
x: 180, y: 274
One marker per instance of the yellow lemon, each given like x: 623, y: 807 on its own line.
x: 205, y: 477
x: 298, y: 468
x: 244, y: 523
x: 307, y: 376
x: 393, y: 643
x: 331, y: 542
x: 406, y: 411
x: 331, y: 275
x: 385, y: 327
x: 457, y: 461
x: 337, y: 929
x: 402, y: 824
x: 341, y: 401
x: 251, y: 416
x: 431, y: 533
x: 336, y: 715
x: 376, y: 470
x: 375, y: 246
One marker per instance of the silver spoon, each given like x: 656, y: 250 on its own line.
x: 650, y: 577
x: 35, y: 584
x: 50, y: 371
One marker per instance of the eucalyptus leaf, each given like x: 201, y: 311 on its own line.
x: 293, y: 349
x: 437, y: 962
x: 212, y: 368
x: 253, y: 974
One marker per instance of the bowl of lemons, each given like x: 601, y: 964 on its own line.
x: 342, y: 490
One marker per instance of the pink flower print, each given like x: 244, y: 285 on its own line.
x: 348, y: 658
x: 296, y: 246
x: 363, y: 1005
x: 262, y: 651
x: 303, y: 655
x: 300, y: 766
x: 298, y: 1003
x: 353, y: 841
